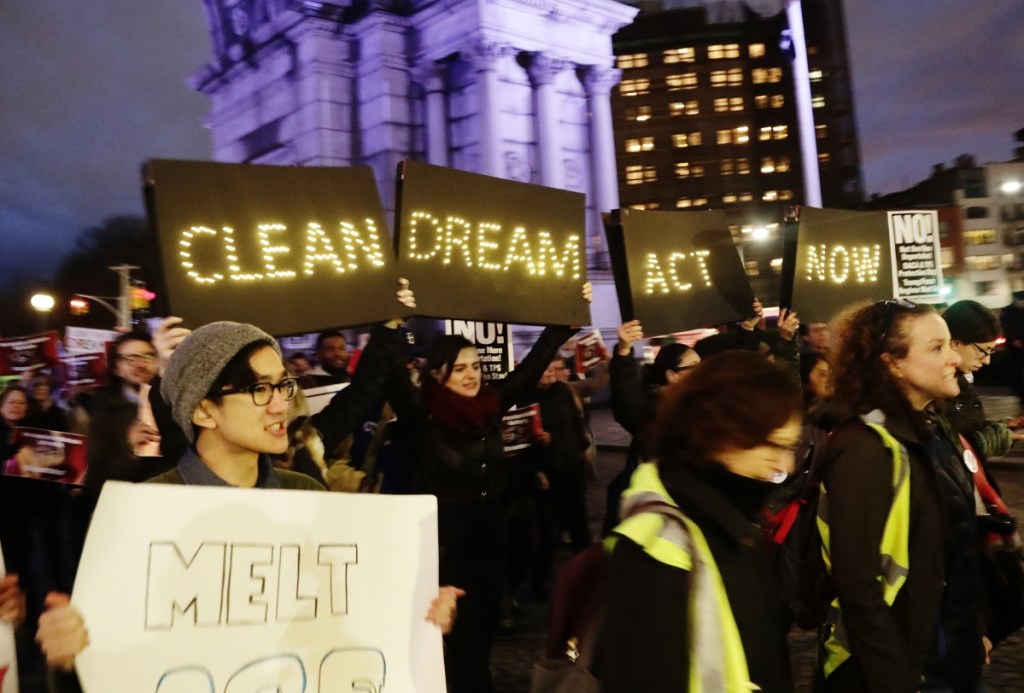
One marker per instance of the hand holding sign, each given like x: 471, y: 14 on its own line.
x: 629, y: 333
x: 12, y: 601
x: 166, y: 338
x: 62, y: 633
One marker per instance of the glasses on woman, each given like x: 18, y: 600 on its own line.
x: 262, y: 393
x: 136, y: 358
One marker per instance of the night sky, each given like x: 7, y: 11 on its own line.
x: 89, y: 90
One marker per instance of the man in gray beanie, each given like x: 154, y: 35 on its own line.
x: 228, y: 390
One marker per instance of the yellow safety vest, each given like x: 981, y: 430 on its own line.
x: 717, y: 660
x: 894, y: 551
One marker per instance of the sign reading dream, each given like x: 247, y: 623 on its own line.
x: 676, y: 271
x: 480, y: 248
x: 291, y: 249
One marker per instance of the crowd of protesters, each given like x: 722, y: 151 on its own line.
x: 921, y: 554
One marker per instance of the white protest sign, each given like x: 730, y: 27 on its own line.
x: 8, y: 655
x: 916, y: 254
x: 87, y: 340
x: 187, y: 589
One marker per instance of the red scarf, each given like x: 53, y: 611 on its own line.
x: 457, y: 412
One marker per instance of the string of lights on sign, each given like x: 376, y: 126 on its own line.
x: 360, y: 248
x: 663, y: 277
x: 836, y: 263
x: 458, y: 240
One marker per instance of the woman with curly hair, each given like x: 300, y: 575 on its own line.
x: 897, y: 512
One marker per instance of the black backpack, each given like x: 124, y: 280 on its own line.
x: 793, y: 538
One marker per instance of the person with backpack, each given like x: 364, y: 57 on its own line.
x: 896, y: 513
x: 696, y: 605
x: 974, y: 330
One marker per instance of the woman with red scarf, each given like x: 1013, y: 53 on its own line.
x: 454, y: 425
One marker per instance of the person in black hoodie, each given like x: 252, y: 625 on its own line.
x: 634, y: 397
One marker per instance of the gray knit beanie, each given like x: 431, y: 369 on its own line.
x: 197, y: 362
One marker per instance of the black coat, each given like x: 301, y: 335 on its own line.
x: 942, y: 598
x: 644, y: 642
x: 467, y: 470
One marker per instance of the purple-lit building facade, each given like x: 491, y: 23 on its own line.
x: 518, y: 89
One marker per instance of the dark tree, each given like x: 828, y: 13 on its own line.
x: 119, y: 240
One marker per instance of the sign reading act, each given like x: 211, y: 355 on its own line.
x: 677, y: 270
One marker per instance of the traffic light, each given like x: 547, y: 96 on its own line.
x: 79, y: 306
x: 140, y: 297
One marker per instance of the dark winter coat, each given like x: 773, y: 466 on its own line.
x: 466, y: 470
x: 935, y: 624
x: 967, y: 414
x: 644, y: 642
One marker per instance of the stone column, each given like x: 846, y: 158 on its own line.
x: 433, y: 76
x: 598, y: 82
x: 484, y: 57
x: 543, y: 70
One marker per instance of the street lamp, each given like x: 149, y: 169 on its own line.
x: 42, y: 303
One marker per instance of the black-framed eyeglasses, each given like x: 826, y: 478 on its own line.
x: 137, y: 358
x: 893, y: 306
x: 262, y: 393
x: 985, y: 353
x: 792, y: 449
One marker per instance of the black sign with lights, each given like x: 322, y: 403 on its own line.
x: 290, y: 249
x: 480, y: 248
x: 842, y: 257
x: 676, y: 271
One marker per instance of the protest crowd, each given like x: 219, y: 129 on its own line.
x: 872, y: 422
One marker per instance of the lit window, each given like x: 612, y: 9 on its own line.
x: 686, y: 139
x: 756, y: 50
x: 981, y: 263
x: 686, y: 80
x: 728, y: 198
x: 773, y: 132
x: 818, y: 101
x: 640, y: 144
x: 729, y: 103
x: 684, y: 108
x: 679, y: 55
x: 631, y: 60
x: 746, y: 197
x: 766, y: 75
x: 726, y: 50
x: 824, y: 158
x: 646, y: 205
x: 772, y: 164
x: 979, y: 236
x: 738, y: 135
x: 634, y: 87
x: 685, y: 169
x: 821, y: 131
x: 728, y: 167
x: 742, y: 166
x: 687, y: 202
x: 776, y: 195
x: 727, y: 78
x: 637, y: 175
x: 815, y: 75
x: 753, y: 268
x: 639, y: 113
